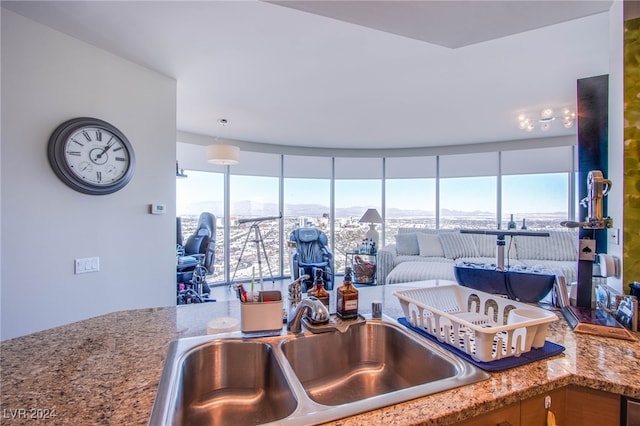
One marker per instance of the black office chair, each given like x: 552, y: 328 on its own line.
x: 200, y: 245
x: 311, y: 253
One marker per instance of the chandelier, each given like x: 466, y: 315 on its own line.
x: 547, y: 116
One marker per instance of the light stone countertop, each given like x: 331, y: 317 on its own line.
x: 105, y: 370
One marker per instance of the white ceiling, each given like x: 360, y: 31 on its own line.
x: 327, y: 77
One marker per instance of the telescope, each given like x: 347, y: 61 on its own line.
x: 255, y: 227
x: 259, y: 219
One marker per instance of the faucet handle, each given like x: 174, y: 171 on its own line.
x: 319, y: 312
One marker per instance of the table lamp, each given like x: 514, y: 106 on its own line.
x: 371, y: 216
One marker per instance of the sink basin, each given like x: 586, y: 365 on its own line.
x: 230, y: 382
x: 366, y: 361
x: 301, y: 379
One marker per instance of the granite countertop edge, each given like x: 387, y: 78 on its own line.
x: 105, y: 370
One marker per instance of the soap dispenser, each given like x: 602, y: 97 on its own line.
x: 318, y: 291
x: 347, y: 297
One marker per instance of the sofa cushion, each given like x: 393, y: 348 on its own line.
x: 407, y: 244
x: 429, y: 245
x: 559, y: 245
x: 401, y: 259
x: 455, y: 245
x: 420, y: 230
x: 420, y: 271
x: 486, y: 244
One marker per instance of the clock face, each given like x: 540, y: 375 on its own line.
x: 96, y: 156
x: 91, y: 156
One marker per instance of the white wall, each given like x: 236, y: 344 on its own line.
x: 47, y: 78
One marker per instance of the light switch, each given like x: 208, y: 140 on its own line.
x: 87, y: 264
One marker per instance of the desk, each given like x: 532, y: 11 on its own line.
x: 362, y: 265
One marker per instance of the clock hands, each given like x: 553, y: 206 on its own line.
x: 106, y: 148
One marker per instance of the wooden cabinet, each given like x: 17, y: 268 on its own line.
x: 509, y: 415
x: 571, y: 406
x: 533, y: 411
x: 591, y: 407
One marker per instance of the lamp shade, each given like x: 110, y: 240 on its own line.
x: 371, y: 216
x: 223, y: 154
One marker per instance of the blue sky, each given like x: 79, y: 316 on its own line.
x: 521, y: 193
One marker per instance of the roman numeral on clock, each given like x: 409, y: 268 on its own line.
x: 86, y: 135
x: 76, y: 153
x: 99, y: 135
x: 99, y: 176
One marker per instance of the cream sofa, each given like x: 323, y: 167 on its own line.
x: 425, y: 254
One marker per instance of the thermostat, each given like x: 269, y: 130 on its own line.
x: 157, y: 208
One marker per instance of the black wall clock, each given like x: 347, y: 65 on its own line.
x: 91, y: 156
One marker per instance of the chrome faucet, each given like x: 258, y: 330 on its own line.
x: 317, y: 312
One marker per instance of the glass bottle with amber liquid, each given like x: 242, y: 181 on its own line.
x: 347, y: 297
x: 318, y: 291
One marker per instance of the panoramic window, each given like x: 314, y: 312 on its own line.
x: 410, y: 194
x: 409, y: 203
x: 468, y: 203
x: 536, y: 201
x: 203, y: 192
x: 254, y: 209
x: 358, y: 187
x: 306, y: 204
x: 307, y: 197
x: 468, y: 191
x: 535, y: 186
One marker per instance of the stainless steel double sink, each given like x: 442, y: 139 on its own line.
x: 301, y: 379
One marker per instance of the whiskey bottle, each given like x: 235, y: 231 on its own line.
x: 318, y: 291
x: 347, y: 297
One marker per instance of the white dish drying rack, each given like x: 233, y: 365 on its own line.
x: 476, y: 322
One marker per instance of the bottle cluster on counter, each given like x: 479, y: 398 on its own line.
x: 346, y: 294
x: 367, y: 246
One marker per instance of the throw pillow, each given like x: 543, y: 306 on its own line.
x: 486, y: 245
x: 407, y: 244
x: 456, y: 245
x: 429, y: 245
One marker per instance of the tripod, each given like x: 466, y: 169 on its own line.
x: 255, y: 227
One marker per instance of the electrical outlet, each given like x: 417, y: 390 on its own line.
x: 613, y: 236
x: 87, y: 264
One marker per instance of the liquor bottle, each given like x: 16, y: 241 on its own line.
x: 524, y: 224
x: 511, y: 224
x: 318, y: 291
x: 363, y: 246
x: 347, y: 297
